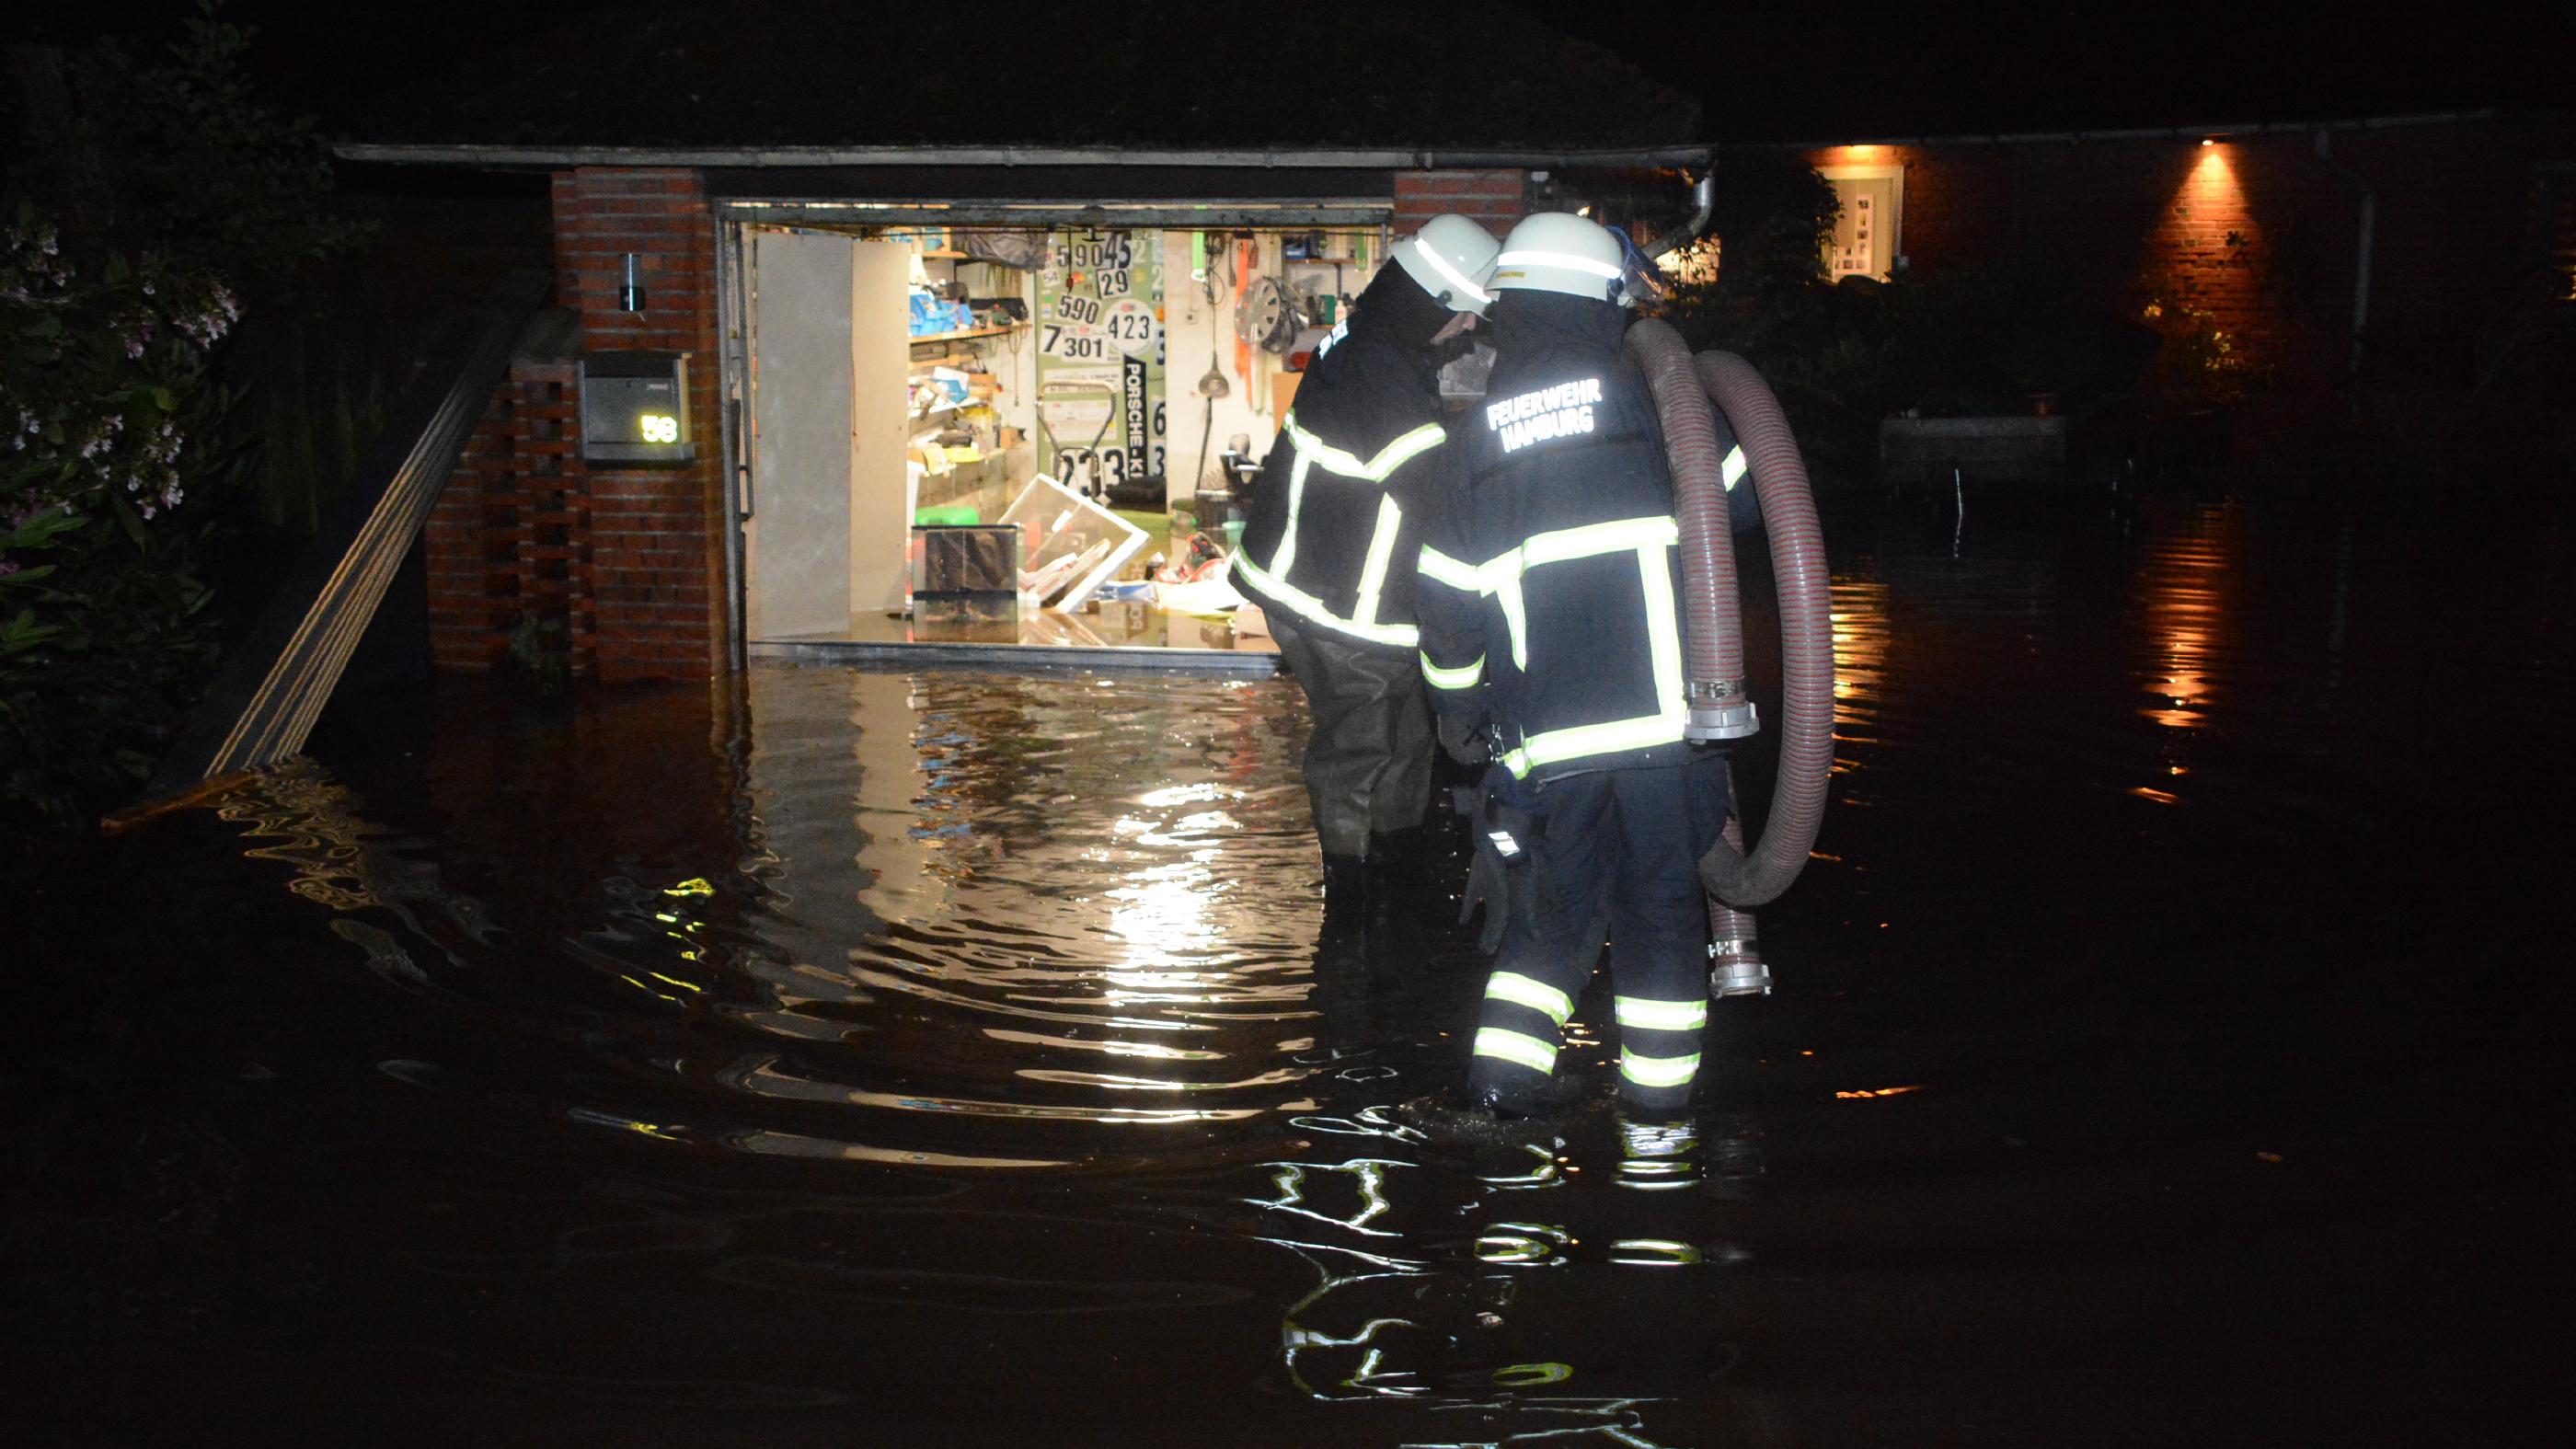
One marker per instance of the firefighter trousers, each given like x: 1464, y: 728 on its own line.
x: 1621, y: 849
x: 1368, y: 756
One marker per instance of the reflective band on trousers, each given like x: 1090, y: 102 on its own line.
x: 1733, y: 469
x: 1531, y: 992
x: 1465, y: 676
x: 1647, y: 1014
x: 1529, y: 1051
x: 1649, y: 1071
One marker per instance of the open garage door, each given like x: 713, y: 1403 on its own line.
x: 827, y: 511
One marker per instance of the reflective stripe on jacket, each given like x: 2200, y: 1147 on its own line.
x: 1550, y: 567
x: 1332, y: 534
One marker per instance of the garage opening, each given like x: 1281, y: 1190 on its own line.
x: 973, y: 438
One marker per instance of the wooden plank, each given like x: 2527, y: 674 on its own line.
x: 273, y: 685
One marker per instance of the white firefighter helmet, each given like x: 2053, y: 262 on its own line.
x: 1450, y: 258
x: 1557, y: 251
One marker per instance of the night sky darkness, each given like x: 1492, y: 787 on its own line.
x: 1824, y: 70
x: 1838, y: 70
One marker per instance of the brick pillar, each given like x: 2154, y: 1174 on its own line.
x: 473, y: 592
x: 551, y: 545
x: 628, y: 560
x: 509, y: 536
x: 1495, y: 198
x: 655, y: 604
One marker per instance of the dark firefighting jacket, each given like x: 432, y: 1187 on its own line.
x: 1551, y: 567
x: 1332, y: 532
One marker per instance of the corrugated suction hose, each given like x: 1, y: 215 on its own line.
x: 1684, y: 388
x: 1712, y: 629
x: 1779, y: 476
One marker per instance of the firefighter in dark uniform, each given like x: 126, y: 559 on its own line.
x: 1331, y: 536
x: 1551, y: 637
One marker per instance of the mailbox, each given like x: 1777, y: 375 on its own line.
x: 635, y: 408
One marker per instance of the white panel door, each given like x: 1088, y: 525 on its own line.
x: 796, y: 543
x: 880, y: 351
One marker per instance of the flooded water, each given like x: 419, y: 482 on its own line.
x: 2164, y: 1029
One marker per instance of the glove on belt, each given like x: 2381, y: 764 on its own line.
x: 1499, y: 877
x: 1463, y: 739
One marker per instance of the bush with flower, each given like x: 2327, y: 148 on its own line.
x: 153, y: 192
x: 107, y: 410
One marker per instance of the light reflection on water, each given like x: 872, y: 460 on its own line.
x: 2186, y: 618
x: 959, y: 939
x: 1051, y: 945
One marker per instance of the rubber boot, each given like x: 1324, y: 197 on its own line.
x: 1399, y: 878
x: 1346, y: 895
x: 1401, y: 856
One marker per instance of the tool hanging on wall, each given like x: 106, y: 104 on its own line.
x: 1243, y: 258
x: 1271, y: 314
x: 1077, y: 465
x: 1211, y: 258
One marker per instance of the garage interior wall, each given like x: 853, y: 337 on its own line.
x: 640, y: 565
x: 1196, y: 331
x: 825, y: 305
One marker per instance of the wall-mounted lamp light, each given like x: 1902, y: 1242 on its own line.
x: 631, y: 296
x: 2205, y: 140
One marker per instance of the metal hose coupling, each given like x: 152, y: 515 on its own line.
x: 1719, y: 709
x: 1735, y: 968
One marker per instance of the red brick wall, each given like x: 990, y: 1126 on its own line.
x: 470, y: 607
x: 2553, y: 249
x: 2453, y: 222
x: 1495, y: 198
x: 629, y: 560
x: 2126, y: 219
x: 510, y: 534
x: 656, y: 534
x: 2129, y: 221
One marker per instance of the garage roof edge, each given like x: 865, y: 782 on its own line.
x: 2139, y: 133
x: 790, y: 157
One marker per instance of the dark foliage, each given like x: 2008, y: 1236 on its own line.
x: 1983, y: 338
x: 1161, y: 72
x: 167, y: 150
x: 157, y: 191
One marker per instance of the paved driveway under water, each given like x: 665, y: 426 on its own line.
x: 2162, y: 1048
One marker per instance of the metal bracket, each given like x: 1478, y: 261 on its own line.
x: 1718, y: 710
x: 1736, y: 968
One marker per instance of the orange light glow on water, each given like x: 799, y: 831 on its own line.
x: 1859, y: 619
x: 2186, y: 612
